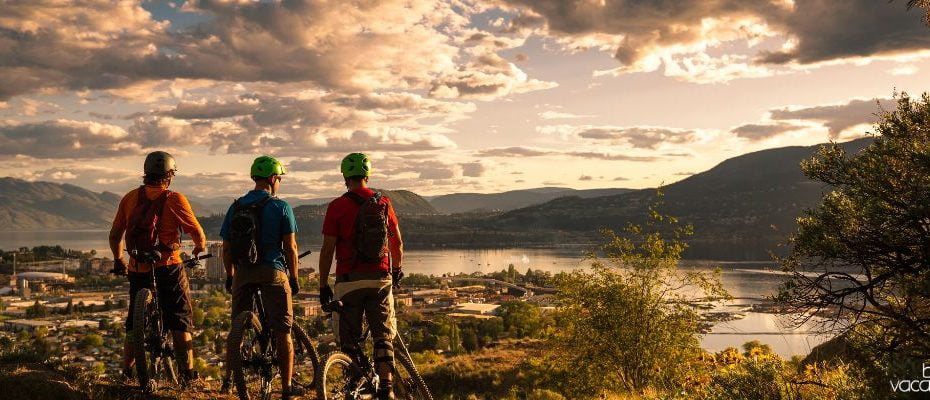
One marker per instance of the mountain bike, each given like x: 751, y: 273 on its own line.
x: 153, y: 350
x: 353, y: 376
x: 255, y: 366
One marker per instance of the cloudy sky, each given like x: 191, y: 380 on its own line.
x: 447, y: 96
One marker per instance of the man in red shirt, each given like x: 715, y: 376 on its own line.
x: 368, y: 260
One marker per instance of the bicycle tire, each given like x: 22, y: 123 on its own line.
x: 420, y: 390
x: 144, y: 299
x: 244, y: 321
x: 304, y: 354
x: 332, y: 359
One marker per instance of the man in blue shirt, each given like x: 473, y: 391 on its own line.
x: 276, y: 248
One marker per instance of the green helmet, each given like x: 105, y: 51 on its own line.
x: 159, y: 163
x: 266, y: 166
x: 356, y: 164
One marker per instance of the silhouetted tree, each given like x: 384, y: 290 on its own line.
x: 861, y: 259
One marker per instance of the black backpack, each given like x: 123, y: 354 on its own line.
x: 371, y: 228
x: 142, y: 233
x: 245, y: 232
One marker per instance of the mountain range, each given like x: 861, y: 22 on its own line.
x: 741, y: 209
x: 510, y: 200
x: 52, y: 206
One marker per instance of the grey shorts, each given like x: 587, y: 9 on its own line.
x: 276, y: 294
x: 373, y: 300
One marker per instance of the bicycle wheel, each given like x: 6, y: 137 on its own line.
x: 142, y: 325
x: 251, y: 361
x: 306, y: 360
x: 408, y: 384
x: 339, y: 377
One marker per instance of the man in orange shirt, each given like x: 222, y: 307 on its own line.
x: 173, y: 289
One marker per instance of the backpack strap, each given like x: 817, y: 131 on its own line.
x: 357, y: 198
x: 160, y: 203
x: 141, y: 198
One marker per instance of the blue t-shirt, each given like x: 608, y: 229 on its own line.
x: 277, y: 221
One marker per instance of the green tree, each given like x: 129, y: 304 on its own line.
x: 469, y: 340
x: 512, y: 274
x: 520, y: 319
x: 626, y: 325
x: 37, y: 310
x: 6, y: 344
x: 862, y: 256
x: 91, y: 340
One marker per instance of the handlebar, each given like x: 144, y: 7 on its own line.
x: 302, y: 255
x: 333, y: 306
x: 195, y: 261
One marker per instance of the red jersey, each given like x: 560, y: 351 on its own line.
x: 340, y: 222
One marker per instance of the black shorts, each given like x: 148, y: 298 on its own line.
x: 173, y: 296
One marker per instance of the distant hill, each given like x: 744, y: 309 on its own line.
x: 218, y: 205
x: 405, y: 202
x: 511, y: 200
x: 310, y: 216
x: 50, y: 206
x: 743, y: 207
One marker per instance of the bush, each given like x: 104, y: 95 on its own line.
x: 760, y: 374
x: 623, y: 327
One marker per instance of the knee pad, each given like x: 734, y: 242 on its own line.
x: 384, y: 351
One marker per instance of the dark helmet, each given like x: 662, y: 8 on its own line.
x: 159, y: 163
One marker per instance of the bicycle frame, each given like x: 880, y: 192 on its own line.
x: 157, y: 343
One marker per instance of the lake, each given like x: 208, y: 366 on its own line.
x: 747, y: 281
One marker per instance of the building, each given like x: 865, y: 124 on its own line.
x: 216, y: 272
x: 45, y: 277
x: 476, y: 308
x: 307, y: 309
x: 96, y: 265
x: 30, y: 325
x: 77, y: 323
x: 404, y: 300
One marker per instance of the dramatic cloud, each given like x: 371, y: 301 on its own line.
x: 641, y: 137
x: 314, y: 165
x: 307, y: 121
x: 65, y: 139
x: 560, y: 115
x: 517, y: 151
x: 486, y: 78
x: 839, y: 117
x: 347, y: 46
x: 825, y: 30
x: 521, y: 151
x: 756, y: 132
x: 473, y: 169
x: 694, y: 39
x: 835, y: 118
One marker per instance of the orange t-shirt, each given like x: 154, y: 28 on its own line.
x: 176, y: 216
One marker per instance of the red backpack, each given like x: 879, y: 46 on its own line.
x: 371, y: 228
x: 142, y: 233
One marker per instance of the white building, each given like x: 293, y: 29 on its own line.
x: 476, y: 308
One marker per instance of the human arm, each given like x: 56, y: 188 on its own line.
x: 117, y: 229
x: 289, y: 244
x: 395, y: 241
x: 228, y: 265
x: 184, y: 214
x: 326, y: 264
x: 227, y: 250
x: 326, y: 258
